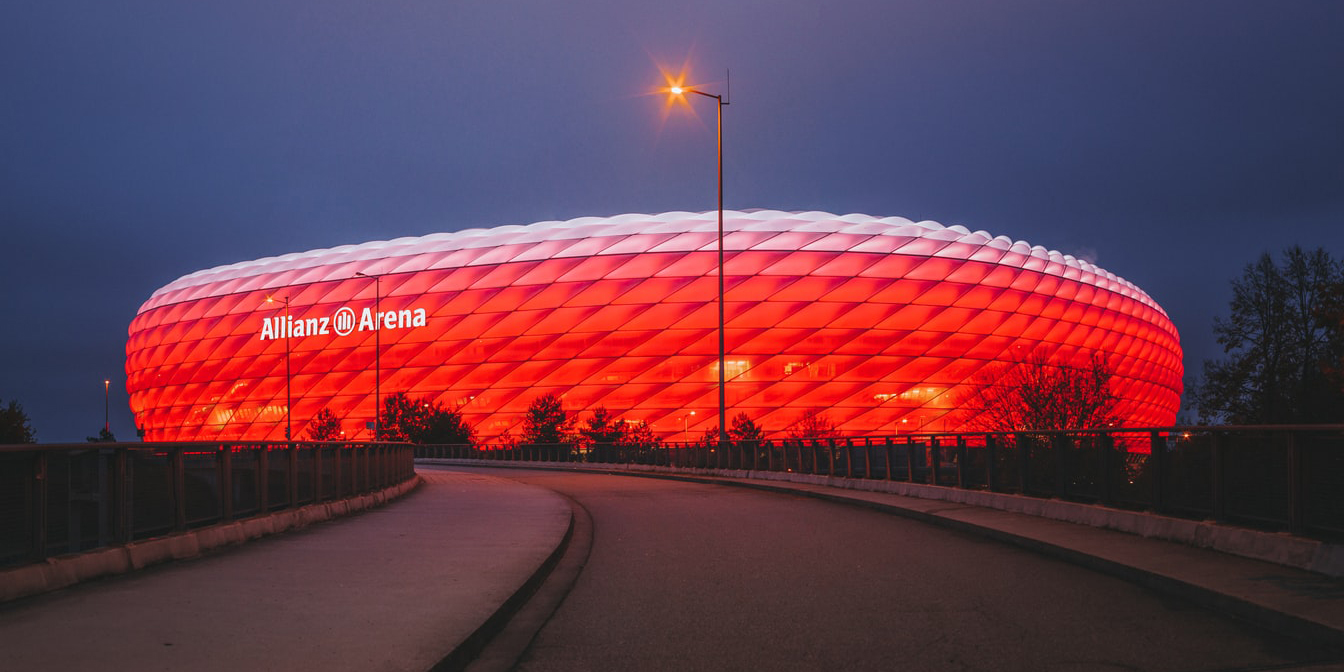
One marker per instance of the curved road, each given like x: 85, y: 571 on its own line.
x: 685, y: 576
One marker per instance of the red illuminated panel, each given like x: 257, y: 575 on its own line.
x: 881, y: 322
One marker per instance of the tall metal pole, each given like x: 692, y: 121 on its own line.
x: 377, y: 358
x: 723, y: 405
x: 723, y: 414
x: 289, y: 397
x: 107, y: 425
x: 377, y: 352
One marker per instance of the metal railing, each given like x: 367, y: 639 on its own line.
x: 1288, y: 478
x: 66, y: 498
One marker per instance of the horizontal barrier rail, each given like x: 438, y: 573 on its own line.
x: 67, y: 498
x: 1282, y: 478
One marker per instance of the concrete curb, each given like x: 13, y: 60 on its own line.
x: 66, y: 570
x: 466, y: 652
x: 1279, y: 548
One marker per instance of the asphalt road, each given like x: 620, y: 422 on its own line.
x: 686, y: 576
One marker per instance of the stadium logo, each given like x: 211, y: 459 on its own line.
x: 343, y: 323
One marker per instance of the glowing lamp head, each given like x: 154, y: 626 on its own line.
x: 677, y: 90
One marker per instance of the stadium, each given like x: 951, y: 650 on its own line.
x: 882, y: 323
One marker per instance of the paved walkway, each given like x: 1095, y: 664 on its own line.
x: 394, y: 588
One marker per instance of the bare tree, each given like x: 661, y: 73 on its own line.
x: 1282, y: 340
x: 1040, y: 394
x: 813, y: 424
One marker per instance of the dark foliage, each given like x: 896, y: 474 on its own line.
x: 422, y: 421
x: 104, y: 436
x: 14, y: 427
x: 324, y: 426
x: 546, y: 422
x: 1283, y: 338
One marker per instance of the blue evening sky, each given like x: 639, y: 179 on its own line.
x: 1171, y: 142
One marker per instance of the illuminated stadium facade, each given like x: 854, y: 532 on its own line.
x: 882, y: 323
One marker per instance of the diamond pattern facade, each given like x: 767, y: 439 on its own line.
x: 881, y: 322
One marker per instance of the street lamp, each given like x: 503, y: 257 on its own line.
x: 377, y: 351
x: 678, y: 90
x: 107, y: 425
x: 289, y: 398
x: 685, y: 425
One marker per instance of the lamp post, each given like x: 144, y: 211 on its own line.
x: 289, y: 398
x: 377, y: 351
x: 107, y: 424
x: 685, y: 425
x: 678, y: 90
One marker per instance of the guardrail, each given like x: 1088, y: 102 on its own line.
x: 1288, y: 478
x: 66, y: 498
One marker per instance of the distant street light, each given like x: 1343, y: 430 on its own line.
x: 289, y: 399
x: 377, y: 351
x: 107, y: 424
x: 685, y: 425
x: 678, y: 90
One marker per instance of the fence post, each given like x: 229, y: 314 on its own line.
x: 368, y: 466
x: 1059, y: 445
x: 991, y: 461
x: 121, y: 493
x: 887, y: 448
x: 177, y: 478
x: 39, y: 493
x: 1023, y: 463
x: 317, y: 472
x: 830, y: 457
x: 935, y: 460
x: 1217, y: 479
x: 1106, y: 444
x: 909, y: 459
x: 225, y: 465
x: 1157, y: 461
x: 867, y: 458
x: 849, y: 458
x: 293, y: 485
x: 1296, y: 513
x: 263, y: 478
x: 961, y: 461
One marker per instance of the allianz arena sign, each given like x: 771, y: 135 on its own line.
x: 342, y: 323
x: 882, y: 322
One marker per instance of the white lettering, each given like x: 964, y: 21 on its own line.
x: 342, y: 322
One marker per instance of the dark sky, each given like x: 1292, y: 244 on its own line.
x: 1170, y: 142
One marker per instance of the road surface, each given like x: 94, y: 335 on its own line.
x: 685, y: 576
